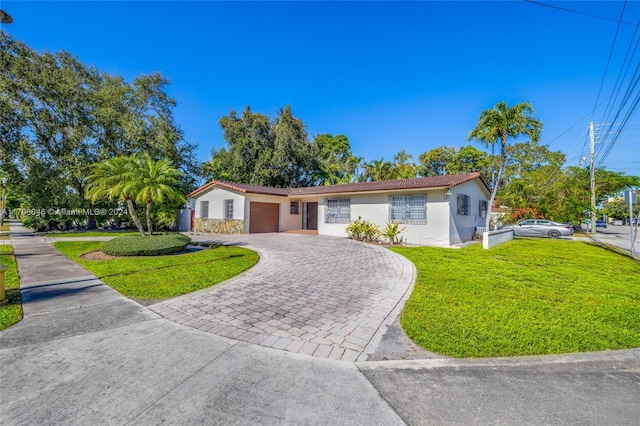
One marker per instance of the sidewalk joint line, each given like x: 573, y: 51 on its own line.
x: 148, y: 407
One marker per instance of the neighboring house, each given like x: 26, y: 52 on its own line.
x: 436, y: 211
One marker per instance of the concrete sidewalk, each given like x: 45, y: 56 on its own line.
x: 83, y: 354
x: 60, y: 298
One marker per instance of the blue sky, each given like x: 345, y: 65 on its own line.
x: 388, y: 75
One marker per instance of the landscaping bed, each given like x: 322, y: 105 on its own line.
x: 525, y: 297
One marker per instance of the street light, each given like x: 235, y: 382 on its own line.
x: 5, y: 18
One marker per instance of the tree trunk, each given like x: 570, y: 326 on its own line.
x: 91, y: 222
x: 493, y: 196
x: 149, y: 217
x: 496, y: 184
x: 116, y: 218
x: 134, y: 216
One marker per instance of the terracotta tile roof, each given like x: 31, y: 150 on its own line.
x: 383, y: 185
x: 389, y: 185
x: 241, y: 187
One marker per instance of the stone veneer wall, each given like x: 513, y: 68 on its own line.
x: 219, y: 226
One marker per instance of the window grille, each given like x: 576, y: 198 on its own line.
x: 295, y: 207
x: 464, y: 205
x: 204, y: 209
x: 409, y: 209
x: 228, y: 209
x: 338, y: 211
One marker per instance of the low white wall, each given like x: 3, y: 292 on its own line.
x: 494, y: 238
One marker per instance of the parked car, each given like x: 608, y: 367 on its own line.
x: 540, y: 228
x: 601, y: 224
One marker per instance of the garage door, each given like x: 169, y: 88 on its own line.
x: 263, y: 217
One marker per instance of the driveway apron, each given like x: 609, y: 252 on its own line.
x: 317, y: 295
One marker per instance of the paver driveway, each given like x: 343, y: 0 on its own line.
x: 317, y: 295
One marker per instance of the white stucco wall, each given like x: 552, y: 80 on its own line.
x: 462, y: 228
x: 287, y: 222
x: 216, y: 198
x: 375, y: 208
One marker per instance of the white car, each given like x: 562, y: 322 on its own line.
x: 540, y: 228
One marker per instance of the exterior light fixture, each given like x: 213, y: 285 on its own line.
x: 448, y: 193
x: 5, y: 18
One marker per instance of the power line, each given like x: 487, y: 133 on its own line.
x: 615, y: 37
x: 552, y: 6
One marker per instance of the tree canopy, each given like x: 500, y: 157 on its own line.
x: 58, y: 116
x: 261, y: 151
x: 450, y: 160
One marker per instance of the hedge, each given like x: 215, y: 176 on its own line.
x: 154, y: 245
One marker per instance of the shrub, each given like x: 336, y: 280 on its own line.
x: 362, y: 230
x: 155, y: 245
x: 391, y: 232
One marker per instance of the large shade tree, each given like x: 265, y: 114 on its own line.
x: 261, y: 151
x: 448, y: 160
x: 496, y: 126
x: 333, y: 159
x: 58, y: 116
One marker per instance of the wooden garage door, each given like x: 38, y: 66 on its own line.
x: 263, y: 217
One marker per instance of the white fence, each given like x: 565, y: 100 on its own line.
x: 494, y: 238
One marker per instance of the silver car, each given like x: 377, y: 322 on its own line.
x: 541, y: 228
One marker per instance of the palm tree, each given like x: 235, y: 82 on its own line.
x: 157, y: 180
x: 499, y: 124
x: 354, y: 164
x: 403, y: 166
x: 114, y: 179
x: 378, y: 170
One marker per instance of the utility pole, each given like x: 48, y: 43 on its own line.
x: 592, y: 154
x: 631, y: 198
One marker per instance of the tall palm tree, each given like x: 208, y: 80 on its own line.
x: 114, y: 179
x: 157, y: 180
x: 499, y: 124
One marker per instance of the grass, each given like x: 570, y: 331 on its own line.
x: 146, y: 246
x: 149, y: 279
x: 525, y: 297
x: 11, y: 312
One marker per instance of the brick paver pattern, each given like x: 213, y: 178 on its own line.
x: 315, y: 295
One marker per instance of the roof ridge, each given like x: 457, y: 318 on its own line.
x: 421, y: 182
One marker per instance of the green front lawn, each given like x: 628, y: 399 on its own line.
x: 149, y: 279
x: 524, y: 297
x: 11, y: 312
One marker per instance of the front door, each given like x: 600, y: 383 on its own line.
x: 311, y: 216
